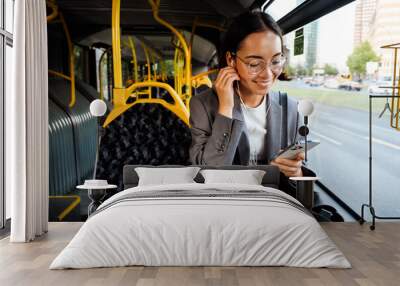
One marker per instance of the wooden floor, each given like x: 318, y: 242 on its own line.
x: 375, y: 256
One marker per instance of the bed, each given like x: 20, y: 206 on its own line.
x: 201, y: 224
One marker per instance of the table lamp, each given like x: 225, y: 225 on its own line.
x: 305, y: 185
x: 305, y: 109
x: 98, y: 108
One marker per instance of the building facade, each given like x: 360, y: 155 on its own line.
x: 385, y: 30
x: 364, y: 14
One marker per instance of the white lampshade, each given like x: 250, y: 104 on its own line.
x: 98, y: 107
x: 305, y: 107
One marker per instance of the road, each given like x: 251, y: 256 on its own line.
x: 341, y: 160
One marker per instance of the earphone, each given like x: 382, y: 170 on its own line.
x: 231, y: 61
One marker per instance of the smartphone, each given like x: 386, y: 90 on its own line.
x: 293, y: 150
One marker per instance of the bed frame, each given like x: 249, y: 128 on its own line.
x: 270, y: 179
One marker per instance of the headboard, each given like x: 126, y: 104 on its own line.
x: 270, y: 179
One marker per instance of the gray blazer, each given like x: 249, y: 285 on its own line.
x: 219, y: 140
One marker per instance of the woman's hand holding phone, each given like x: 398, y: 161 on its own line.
x: 290, y: 167
x: 225, y: 91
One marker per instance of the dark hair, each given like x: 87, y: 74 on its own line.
x: 242, y: 26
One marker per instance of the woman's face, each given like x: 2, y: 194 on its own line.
x: 257, y: 62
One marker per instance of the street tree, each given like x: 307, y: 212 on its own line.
x: 362, y: 54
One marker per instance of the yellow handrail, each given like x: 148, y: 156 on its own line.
x: 176, y: 71
x: 178, y: 101
x: 398, y: 104
x: 71, y: 56
x: 54, y: 12
x: 197, y: 23
x: 163, y: 70
x: 53, y: 72
x: 122, y: 94
x: 194, y: 26
x: 71, y: 60
x: 146, y: 53
x: 205, y: 73
x: 101, y: 73
x: 134, y: 59
x: 178, y: 107
x: 203, y: 79
x: 153, y: 64
x: 181, y: 64
x: 116, y: 44
x: 188, y: 66
x: 394, y: 92
x: 395, y: 112
x: 73, y: 205
x: 207, y: 25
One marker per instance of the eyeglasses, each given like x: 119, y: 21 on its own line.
x: 255, y: 66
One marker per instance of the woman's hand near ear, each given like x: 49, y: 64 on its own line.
x: 224, y: 88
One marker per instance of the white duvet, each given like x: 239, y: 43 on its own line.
x: 200, y: 231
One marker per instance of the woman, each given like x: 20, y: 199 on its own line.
x: 239, y: 121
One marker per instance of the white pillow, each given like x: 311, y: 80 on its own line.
x: 249, y: 177
x: 163, y: 176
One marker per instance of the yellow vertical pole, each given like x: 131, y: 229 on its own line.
x: 188, y: 65
x: 176, y: 70
x: 54, y: 10
x: 163, y: 71
x: 146, y: 53
x: 194, y: 26
x: 153, y: 64
x: 134, y: 58
x: 398, y: 94
x: 116, y: 43
x: 101, y: 74
x: 71, y: 60
x: 393, y: 89
x: 181, y: 64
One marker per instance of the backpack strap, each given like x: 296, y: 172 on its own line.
x: 283, y: 101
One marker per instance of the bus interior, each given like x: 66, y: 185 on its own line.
x: 146, y: 59
x: 92, y: 90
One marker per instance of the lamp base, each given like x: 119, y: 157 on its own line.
x: 96, y: 196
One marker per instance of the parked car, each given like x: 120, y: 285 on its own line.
x: 307, y: 79
x: 380, y: 88
x: 316, y: 81
x: 331, y: 83
x: 350, y: 85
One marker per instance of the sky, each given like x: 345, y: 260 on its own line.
x: 335, y: 36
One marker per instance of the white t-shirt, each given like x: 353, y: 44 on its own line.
x: 256, y: 124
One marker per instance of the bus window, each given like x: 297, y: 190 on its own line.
x: 332, y: 73
x: 277, y: 10
x: 79, y: 62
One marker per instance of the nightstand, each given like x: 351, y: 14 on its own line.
x: 305, y: 190
x: 96, y: 192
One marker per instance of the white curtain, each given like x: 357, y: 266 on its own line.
x: 27, y: 124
